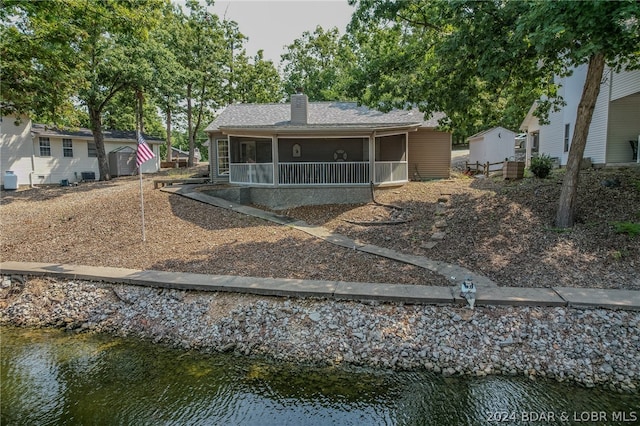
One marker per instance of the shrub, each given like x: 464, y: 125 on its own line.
x: 541, y: 166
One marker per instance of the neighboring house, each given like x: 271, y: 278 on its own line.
x: 492, y: 146
x: 615, y: 126
x: 178, y: 154
x: 41, y: 155
x: 310, y: 152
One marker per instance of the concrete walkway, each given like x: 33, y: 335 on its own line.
x: 488, y: 293
x: 337, y: 290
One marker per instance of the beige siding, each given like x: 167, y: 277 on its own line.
x: 429, y: 154
x: 624, y: 125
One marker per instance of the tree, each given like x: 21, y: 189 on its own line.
x: 458, y: 57
x: 319, y: 63
x: 568, y: 34
x: 35, y: 55
x: 257, y: 82
x: 486, y: 62
x: 99, y: 43
x: 201, y: 51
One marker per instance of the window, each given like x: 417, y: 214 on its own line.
x: 223, y: 157
x: 91, y: 149
x: 67, y: 148
x: 45, y: 147
x: 567, y: 128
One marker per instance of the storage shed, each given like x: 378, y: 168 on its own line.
x: 122, y: 161
x: 493, y: 146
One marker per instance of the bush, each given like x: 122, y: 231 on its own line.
x: 541, y: 166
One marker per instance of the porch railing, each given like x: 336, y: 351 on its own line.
x: 391, y: 171
x: 338, y: 173
x: 252, y: 173
x: 318, y: 173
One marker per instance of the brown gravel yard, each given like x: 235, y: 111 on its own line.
x: 498, y: 228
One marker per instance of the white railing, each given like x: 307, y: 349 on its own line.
x: 315, y: 173
x: 391, y: 171
x: 334, y: 173
x: 252, y: 173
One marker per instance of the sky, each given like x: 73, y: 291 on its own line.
x: 271, y: 25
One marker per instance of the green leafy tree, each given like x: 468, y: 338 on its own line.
x: 319, y: 63
x: 38, y: 73
x: 484, y: 63
x: 100, y: 44
x: 567, y: 34
x: 201, y: 51
x: 257, y: 81
x: 458, y: 57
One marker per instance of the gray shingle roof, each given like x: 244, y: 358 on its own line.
x: 83, y: 133
x: 321, y: 115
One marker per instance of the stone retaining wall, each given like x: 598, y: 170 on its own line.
x: 593, y: 347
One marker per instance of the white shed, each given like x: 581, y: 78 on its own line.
x: 493, y: 146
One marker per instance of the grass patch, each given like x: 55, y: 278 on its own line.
x: 630, y: 228
x: 557, y: 230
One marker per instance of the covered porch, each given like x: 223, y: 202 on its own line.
x: 299, y: 160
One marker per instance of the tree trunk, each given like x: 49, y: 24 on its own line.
x: 565, y: 217
x: 169, y: 153
x: 98, y: 138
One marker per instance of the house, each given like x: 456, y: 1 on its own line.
x: 180, y: 155
x: 615, y: 126
x: 38, y: 154
x: 323, y: 152
x: 492, y: 146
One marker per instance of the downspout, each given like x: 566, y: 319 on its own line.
x: 33, y: 162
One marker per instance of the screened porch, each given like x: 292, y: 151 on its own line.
x: 327, y: 161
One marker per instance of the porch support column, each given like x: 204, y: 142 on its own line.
x: 372, y: 157
x: 406, y: 154
x: 274, y: 156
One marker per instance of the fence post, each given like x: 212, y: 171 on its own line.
x: 486, y: 170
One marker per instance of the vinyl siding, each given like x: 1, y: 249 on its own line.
x: 624, y: 84
x: 615, y: 118
x: 551, y: 135
x: 624, y: 125
x: 15, y: 154
x: 493, y: 146
x: 429, y: 154
x: 596, y: 140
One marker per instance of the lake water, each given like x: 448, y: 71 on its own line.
x: 50, y: 377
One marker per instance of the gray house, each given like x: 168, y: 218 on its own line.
x: 311, y: 151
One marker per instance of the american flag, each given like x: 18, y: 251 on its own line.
x: 143, y: 153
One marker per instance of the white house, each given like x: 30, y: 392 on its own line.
x: 37, y: 154
x: 492, y: 146
x: 615, y: 126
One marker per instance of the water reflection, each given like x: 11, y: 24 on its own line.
x: 50, y: 377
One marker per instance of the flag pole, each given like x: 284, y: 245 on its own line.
x: 138, y: 159
x: 141, y: 196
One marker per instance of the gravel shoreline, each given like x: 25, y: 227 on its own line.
x: 593, y: 347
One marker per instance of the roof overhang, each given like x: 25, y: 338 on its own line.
x: 89, y: 138
x: 316, y: 131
